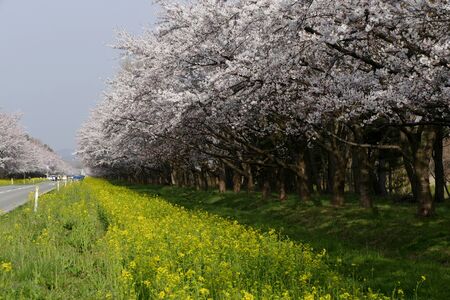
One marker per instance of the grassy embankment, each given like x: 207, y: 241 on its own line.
x: 94, y: 240
x: 384, y: 248
x: 56, y: 253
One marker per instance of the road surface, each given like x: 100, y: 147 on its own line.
x: 13, y: 196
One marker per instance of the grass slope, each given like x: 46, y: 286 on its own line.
x: 57, y: 253
x: 98, y: 241
x: 385, y: 248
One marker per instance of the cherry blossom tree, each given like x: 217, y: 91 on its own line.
x: 253, y: 86
x: 22, y: 154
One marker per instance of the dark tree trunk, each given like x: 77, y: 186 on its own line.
x: 204, y: 178
x: 222, y: 180
x: 265, y: 189
x: 283, y: 194
x: 302, y: 178
x: 365, y: 199
x: 390, y: 180
x: 330, y: 171
x: 412, y: 179
x: 314, y: 169
x: 250, y: 181
x: 229, y: 177
x: 418, y: 150
x: 281, y: 184
x: 422, y: 171
x: 439, y: 166
x: 183, y: 178
x: 361, y: 170
x: 237, y: 180
x: 198, y: 181
x: 338, y: 164
x: 192, y: 180
x: 337, y: 198
x: 381, y: 177
x: 356, y: 170
x: 211, y: 180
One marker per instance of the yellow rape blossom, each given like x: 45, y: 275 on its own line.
x: 247, y: 296
x: 6, y: 267
x: 126, y: 276
x: 174, y: 253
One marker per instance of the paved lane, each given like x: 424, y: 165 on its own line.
x: 13, y: 196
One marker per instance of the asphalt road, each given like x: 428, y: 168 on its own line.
x: 13, y: 196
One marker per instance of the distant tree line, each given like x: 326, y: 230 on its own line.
x: 22, y: 155
x: 308, y: 96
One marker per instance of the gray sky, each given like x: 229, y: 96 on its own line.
x: 54, y: 59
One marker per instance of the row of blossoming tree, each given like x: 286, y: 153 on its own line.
x: 294, y: 95
x: 22, y: 155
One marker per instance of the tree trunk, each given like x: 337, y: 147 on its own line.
x: 190, y: 179
x: 337, y: 178
x: 283, y: 194
x: 330, y: 171
x: 381, y: 177
x: 183, y: 178
x: 228, y: 177
x: 422, y: 171
x: 390, y: 179
x: 281, y: 185
x: 173, y: 177
x: 222, y: 180
x: 237, y: 182
x: 204, y: 177
x: 222, y: 185
x: 337, y: 198
x: 439, y: 166
x: 198, y: 182
x: 265, y: 190
x: 314, y: 170
x: 250, y: 181
x: 361, y: 170
x: 412, y: 179
x: 365, y: 200
x: 302, y: 178
x: 356, y: 169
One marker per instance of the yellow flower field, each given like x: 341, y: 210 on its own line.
x: 95, y: 240
x: 168, y: 252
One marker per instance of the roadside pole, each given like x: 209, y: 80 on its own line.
x: 36, y: 198
x: 12, y: 181
x: 57, y: 185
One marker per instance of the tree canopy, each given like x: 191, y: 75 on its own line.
x: 254, y: 86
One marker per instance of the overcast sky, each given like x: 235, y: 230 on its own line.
x: 54, y: 59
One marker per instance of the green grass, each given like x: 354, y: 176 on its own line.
x: 170, y: 252
x: 93, y: 240
x: 58, y: 252
x: 87, y: 239
x: 384, y: 248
